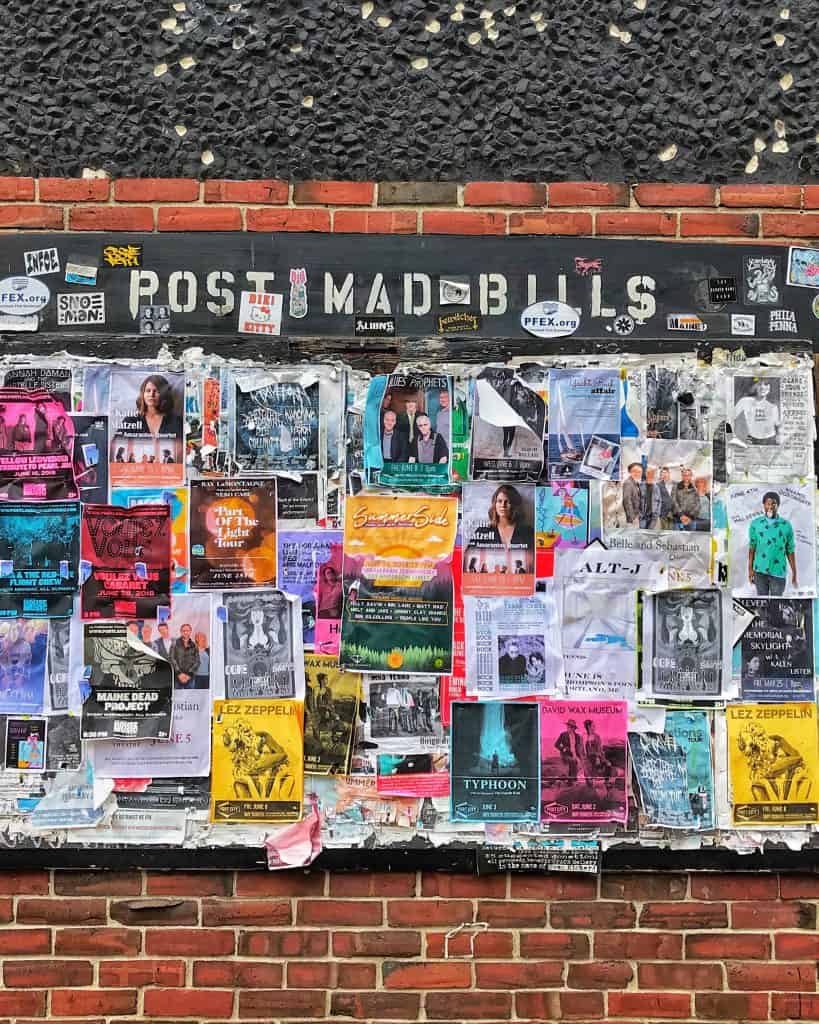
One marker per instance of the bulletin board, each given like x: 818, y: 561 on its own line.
x: 288, y: 358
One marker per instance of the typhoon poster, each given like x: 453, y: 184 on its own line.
x: 39, y: 558
x: 495, y: 770
x: 232, y: 533
x: 127, y: 561
x: 258, y: 755
x: 583, y: 766
x: 398, y: 598
x: 773, y: 760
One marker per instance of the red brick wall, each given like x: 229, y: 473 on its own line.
x: 315, y: 946
x: 480, y: 208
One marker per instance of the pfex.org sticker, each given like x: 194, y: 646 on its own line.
x: 550, y: 319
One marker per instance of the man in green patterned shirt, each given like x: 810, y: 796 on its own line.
x: 771, y: 550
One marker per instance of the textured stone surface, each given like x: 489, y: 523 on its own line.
x: 309, y: 90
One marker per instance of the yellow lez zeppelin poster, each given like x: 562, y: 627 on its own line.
x: 773, y: 755
x: 258, y: 770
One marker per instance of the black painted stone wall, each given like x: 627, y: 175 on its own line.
x: 78, y: 89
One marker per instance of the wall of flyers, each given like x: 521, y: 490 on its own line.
x: 485, y: 603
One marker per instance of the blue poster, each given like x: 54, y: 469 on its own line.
x: 301, y: 553
x: 39, y: 558
x: 674, y: 772
x: 584, y: 424
x: 22, y: 665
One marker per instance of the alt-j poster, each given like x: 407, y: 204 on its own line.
x: 232, y: 533
x: 398, y: 598
x: 126, y: 561
x: 773, y: 758
x: 495, y: 762
x: 36, y: 439
x: 39, y: 558
x: 258, y: 761
x: 408, y: 427
x: 583, y: 768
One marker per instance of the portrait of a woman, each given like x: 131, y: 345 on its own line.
x: 155, y: 409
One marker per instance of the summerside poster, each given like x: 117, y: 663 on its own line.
x: 673, y: 771
x: 776, y: 650
x: 773, y: 760
x: 232, y: 533
x: 36, y: 438
x: 130, y: 687
x: 583, y: 770
x: 398, y: 598
x: 39, y: 558
x: 495, y: 762
x: 127, y: 561
x: 258, y: 772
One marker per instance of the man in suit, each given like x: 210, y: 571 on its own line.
x: 406, y: 421
x: 632, y: 494
x: 569, y: 745
x: 511, y: 664
x: 393, y: 442
x: 162, y: 646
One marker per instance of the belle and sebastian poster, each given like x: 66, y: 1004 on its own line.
x: 398, y: 584
x: 258, y: 761
x: 773, y: 759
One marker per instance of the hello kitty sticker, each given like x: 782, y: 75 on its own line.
x: 260, y: 313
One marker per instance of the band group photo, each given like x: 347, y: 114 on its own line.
x: 415, y: 425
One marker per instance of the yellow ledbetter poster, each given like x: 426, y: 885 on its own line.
x: 773, y: 755
x: 258, y: 770
x: 398, y: 583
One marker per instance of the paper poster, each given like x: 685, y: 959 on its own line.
x: 771, y: 540
x: 513, y: 645
x: 398, y: 599
x: 674, y: 773
x: 276, y: 425
x: 57, y: 658
x: 232, y: 533
x: 413, y: 775
x: 36, y: 437
x: 26, y: 744
x: 772, y: 425
x: 329, y: 602
x: 583, y: 769
x: 636, y: 568
x: 676, y: 404
x: 687, y: 557
x: 90, y: 456
x: 261, y: 645
x: 803, y: 267
x: 495, y: 762
x: 128, y: 561
x: 330, y: 715
x: 498, y: 539
x: 762, y: 280
x: 301, y: 555
x: 776, y: 650
x: 183, y: 640
x: 508, y: 420
x: 561, y: 521
x: 54, y: 379
x: 130, y: 687
x: 599, y: 636
x: 64, y: 749
x: 177, y: 500
x: 403, y: 713
x: 23, y: 645
x: 666, y: 485
x: 584, y: 424
x: 258, y: 759
x: 686, y: 646
x: 145, y: 423
x: 39, y: 558
x: 773, y: 756
x: 408, y: 427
